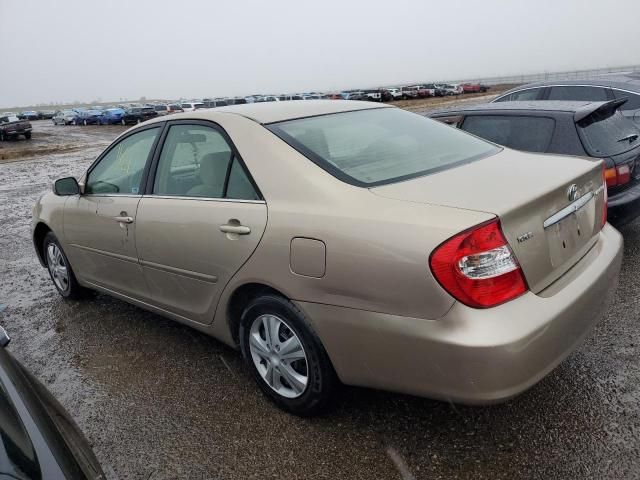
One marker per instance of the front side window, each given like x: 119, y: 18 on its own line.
x: 197, y: 161
x: 530, y: 134
x: 120, y: 170
x: 522, y: 95
x: 579, y: 93
x: 633, y: 100
x: 380, y: 146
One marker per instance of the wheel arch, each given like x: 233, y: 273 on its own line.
x: 39, y: 232
x: 240, y: 298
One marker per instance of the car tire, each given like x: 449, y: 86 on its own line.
x: 1, y: 136
x: 302, y: 379
x: 59, y: 269
x: 139, y: 121
x: 27, y: 135
x: 123, y: 122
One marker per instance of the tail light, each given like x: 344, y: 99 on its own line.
x: 619, y: 175
x: 605, y: 198
x: 478, y: 268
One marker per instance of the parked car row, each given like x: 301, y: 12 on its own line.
x: 36, y: 115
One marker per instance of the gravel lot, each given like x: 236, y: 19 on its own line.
x: 161, y: 401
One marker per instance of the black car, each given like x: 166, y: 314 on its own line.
x: 601, y: 89
x: 138, y: 115
x: 38, y: 439
x: 589, y: 129
x: 11, y: 127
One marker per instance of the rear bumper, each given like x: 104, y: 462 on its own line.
x: 625, y: 206
x: 473, y: 356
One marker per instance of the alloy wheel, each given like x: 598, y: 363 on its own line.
x: 279, y: 356
x: 57, y: 267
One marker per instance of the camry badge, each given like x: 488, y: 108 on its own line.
x: 572, y: 192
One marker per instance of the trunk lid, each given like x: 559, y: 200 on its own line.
x: 530, y: 193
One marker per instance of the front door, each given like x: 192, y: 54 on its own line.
x: 99, y: 225
x: 201, y: 221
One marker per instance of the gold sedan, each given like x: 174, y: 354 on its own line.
x: 339, y: 241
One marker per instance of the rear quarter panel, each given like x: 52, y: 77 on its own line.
x: 377, y: 249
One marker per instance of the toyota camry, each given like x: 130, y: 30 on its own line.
x: 343, y: 242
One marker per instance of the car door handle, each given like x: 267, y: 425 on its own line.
x: 237, y: 229
x: 123, y: 219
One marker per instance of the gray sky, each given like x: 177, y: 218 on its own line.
x: 66, y: 50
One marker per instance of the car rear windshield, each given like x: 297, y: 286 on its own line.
x: 608, y: 134
x: 531, y: 134
x: 380, y: 146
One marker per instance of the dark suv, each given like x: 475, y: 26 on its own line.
x: 138, y: 115
x: 590, y: 129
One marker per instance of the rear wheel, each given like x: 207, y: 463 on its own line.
x: 84, y: 122
x: 27, y: 135
x: 59, y: 268
x: 286, y: 356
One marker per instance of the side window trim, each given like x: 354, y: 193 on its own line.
x: 235, y: 155
x: 145, y: 171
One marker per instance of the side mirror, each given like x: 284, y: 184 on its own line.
x: 4, y: 338
x: 66, y: 186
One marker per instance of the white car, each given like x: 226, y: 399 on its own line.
x: 396, y: 93
x: 192, y: 106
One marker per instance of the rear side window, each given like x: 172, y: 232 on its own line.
x: 609, y: 133
x: 579, y: 93
x: 380, y: 146
x: 531, y: 134
x: 522, y: 95
x: 197, y: 161
x: 633, y: 102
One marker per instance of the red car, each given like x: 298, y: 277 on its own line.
x: 474, y: 88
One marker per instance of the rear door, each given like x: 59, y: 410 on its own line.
x: 200, y: 220
x: 99, y: 225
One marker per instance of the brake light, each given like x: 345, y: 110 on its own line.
x: 478, y: 268
x: 624, y: 174
x: 619, y: 175
x: 605, y: 198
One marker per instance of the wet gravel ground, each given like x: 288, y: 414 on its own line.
x: 158, y: 400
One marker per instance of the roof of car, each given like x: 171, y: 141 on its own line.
x: 629, y: 81
x: 270, y: 112
x: 537, y: 105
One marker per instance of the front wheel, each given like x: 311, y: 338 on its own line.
x: 286, y: 356
x: 59, y: 268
